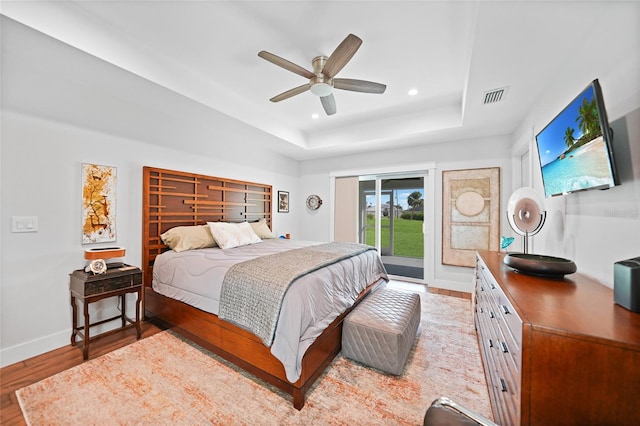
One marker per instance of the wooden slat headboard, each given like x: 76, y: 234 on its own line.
x: 172, y: 198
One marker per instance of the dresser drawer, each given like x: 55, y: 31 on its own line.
x: 507, y: 390
x: 508, y: 313
x: 499, y: 332
x: 509, y: 323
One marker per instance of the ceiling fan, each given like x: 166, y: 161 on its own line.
x: 322, y: 80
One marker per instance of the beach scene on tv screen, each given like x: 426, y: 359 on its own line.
x: 573, y: 153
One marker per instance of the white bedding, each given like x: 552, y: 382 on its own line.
x: 310, y: 305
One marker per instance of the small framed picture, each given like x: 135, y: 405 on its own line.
x: 283, y: 201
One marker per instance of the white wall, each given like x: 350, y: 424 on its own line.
x: 469, y: 154
x: 595, y: 229
x: 61, y: 108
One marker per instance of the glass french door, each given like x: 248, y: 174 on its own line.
x: 392, y: 219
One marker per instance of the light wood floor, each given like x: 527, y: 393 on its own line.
x: 24, y: 373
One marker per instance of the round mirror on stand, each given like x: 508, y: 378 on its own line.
x: 526, y: 216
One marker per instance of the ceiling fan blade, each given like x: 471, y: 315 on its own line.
x: 329, y: 104
x: 289, y: 93
x: 359, y: 85
x: 343, y: 53
x: 287, y: 65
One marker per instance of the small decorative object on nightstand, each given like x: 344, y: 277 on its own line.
x: 97, y: 255
x: 117, y: 280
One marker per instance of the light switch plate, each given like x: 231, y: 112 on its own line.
x: 24, y: 223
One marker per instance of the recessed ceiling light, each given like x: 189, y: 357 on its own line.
x: 413, y: 92
x: 314, y: 116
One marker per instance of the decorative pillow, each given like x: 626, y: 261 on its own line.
x: 262, y: 229
x: 230, y: 235
x: 183, y: 238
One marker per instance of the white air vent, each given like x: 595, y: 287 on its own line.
x: 495, y: 95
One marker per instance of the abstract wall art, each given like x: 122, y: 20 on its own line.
x: 470, y: 214
x: 98, y: 203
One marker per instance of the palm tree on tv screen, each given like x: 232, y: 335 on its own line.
x: 569, y: 139
x: 587, y: 119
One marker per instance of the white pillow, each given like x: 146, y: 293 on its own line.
x: 230, y: 235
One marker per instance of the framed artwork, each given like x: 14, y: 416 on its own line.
x: 98, y: 203
x: 283, y: 201
x: 470, y: 214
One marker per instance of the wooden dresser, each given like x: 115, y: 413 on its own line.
x: 555, y: 351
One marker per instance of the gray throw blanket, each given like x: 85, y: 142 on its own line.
x: 252, y: 291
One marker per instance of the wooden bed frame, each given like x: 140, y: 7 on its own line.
x: 172, y: 198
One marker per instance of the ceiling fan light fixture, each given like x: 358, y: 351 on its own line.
x: 321, y: 80
x: 321, y: 89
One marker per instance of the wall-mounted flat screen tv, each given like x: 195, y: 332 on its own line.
x: 575, y: 149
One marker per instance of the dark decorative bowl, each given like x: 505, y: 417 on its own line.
x: 536, y: 264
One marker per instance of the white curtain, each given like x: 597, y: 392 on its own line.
x: 346, y: 210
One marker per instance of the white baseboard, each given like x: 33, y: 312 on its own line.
x: 35, y: 347
x: 406, y: 279
x: 48, y: 343
x: 41, y: 345
x: 442, y: 284
x: 453, y: 285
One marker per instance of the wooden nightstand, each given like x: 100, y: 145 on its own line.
x: 118, y: 280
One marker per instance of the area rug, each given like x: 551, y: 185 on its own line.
x: 164, y: 379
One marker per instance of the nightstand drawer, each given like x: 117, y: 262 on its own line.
x: 111, y: 284
x: 86, y: 284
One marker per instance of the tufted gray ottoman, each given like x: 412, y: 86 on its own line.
x: 380, y: 331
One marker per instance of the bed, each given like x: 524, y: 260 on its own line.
x: 173, y: 199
